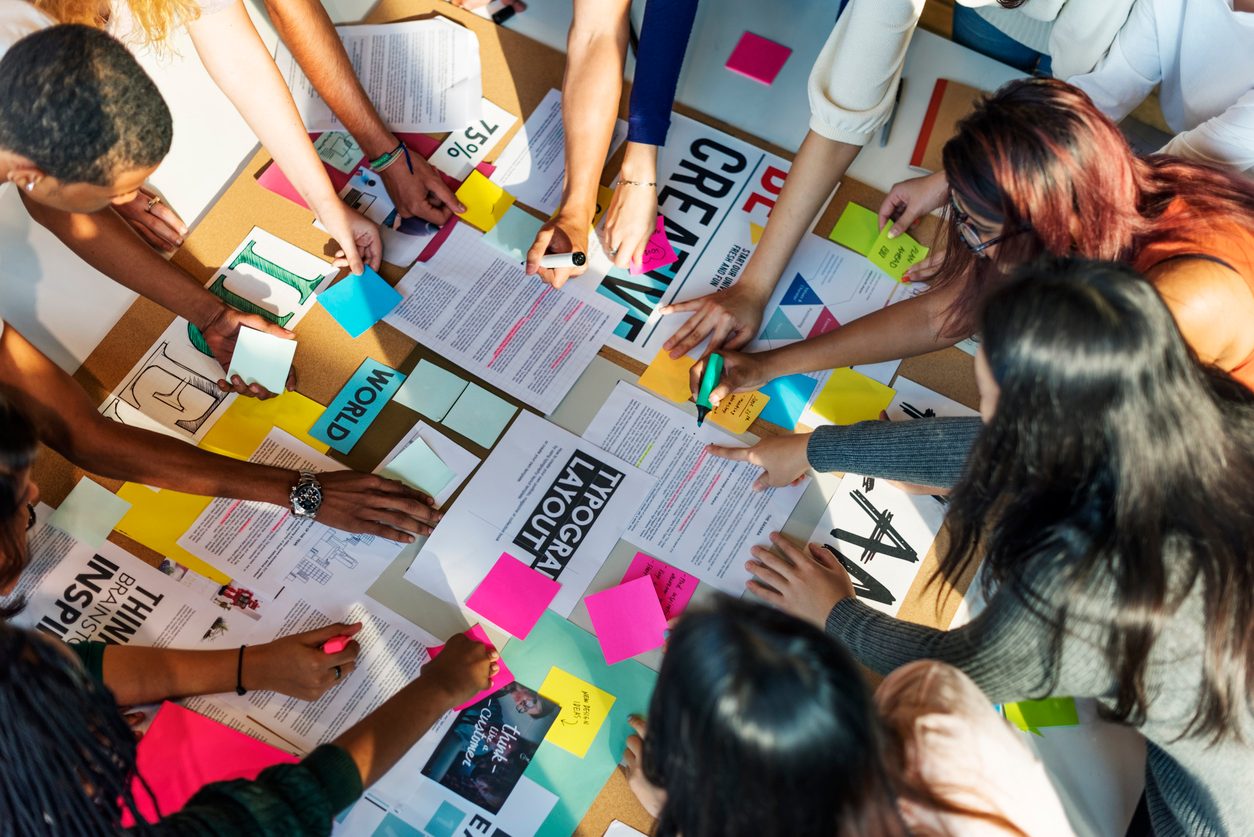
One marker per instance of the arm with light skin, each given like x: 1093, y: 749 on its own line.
x: 104, y: 241
x: 730, y: 318
x: 70, y: 424
x: 308, y: 32
x: 1213, y: 307
x: 237, y: 61
x: 596, y: 48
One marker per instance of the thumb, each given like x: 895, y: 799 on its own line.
x: 727, y: 452
x: 352, y: 255
x: 260, y: 323
x: 538, y: 248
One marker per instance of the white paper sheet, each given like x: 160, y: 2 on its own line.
x: 268, y: 547
x: 466, y: 148
x: 470, y: 304
x: 533, y: 165
x: 421, y: 75
x: 881, y: 535
x: 915, y: 401
x: 541, y: 492
x: 701, y: 517
x: 459, y: 460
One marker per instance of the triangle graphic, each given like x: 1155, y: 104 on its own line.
x: 780, y: 328
x: 825, y: 323
x: 800, y: 293
x: 755, y: 233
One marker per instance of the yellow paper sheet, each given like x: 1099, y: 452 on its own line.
x: 584, y: 710
x: 739, y: 410
x: 849, y: 397
x: 157, y: 519
x: 667, y: 377
x: 486, y: 203
x: 246, y: 422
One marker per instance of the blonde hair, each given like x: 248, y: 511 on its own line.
x: 155, y: 20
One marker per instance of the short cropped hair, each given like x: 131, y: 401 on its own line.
x: 74, y: 101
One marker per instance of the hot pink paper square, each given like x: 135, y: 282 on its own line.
x: 627, y: 619
x: 674, y: 587
x: 513, y: 596
x: 758, y: 58
x: 658, y: 251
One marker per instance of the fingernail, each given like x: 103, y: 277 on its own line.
x: 892, y: 234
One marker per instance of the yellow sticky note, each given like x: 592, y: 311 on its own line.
x: 246, y: 422
x: 755, y: 232
x: 739, y: 410
x: 848, y: 398
x: 584, y: 710
x: 157, y: 519
x: 668, y: 377
x: 485, y: 202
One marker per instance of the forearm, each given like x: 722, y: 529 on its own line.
x: 932, y: 452
x: 379, y: 740
x: 139, y: 675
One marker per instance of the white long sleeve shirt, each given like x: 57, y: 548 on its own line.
x: 1202, y: 53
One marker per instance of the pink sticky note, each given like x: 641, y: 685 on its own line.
x: 183, y: 751
x: 503, y: 676
x: 628, y: 619
x: 674, y: 587
x: 513, y: 596
x: 758, y: 58
x: 658, y: 252
x: 276, y: 181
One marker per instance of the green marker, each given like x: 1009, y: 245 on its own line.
x: 709, y: 380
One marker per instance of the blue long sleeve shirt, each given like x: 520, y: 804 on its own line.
x: 659, y: 58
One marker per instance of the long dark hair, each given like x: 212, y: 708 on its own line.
x: 1039, y: 157
x: 18, y: 443
x: 67, y: 752
x: 1114, y: 457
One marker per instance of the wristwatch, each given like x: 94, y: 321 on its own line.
x: 306, y: 495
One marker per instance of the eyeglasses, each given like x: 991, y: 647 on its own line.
x: 970, y: 236
x: 31, y: 519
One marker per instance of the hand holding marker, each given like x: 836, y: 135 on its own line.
x: 560, y: 260
x: 709, y: 380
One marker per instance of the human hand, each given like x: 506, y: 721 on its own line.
x: 357, y: 236
x: 911, y: 199
x: 156, y: 223
x: 464, y: 669
x: 222, y: 332
x: 783, y: 459
x: 471, y: 5
x: 562, y: 234
x: 629, y: 222
x: 742, y: 372
x: 375, y: 505
x: 651, y: 797
x: 730, y: 318
x: 926, y: 269
x: 295, y: 665
x: 421, y: 193
x: 806, y: 584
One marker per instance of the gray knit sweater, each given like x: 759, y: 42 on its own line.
x: 1192, y: 786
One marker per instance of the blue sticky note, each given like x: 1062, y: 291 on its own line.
x: 479, y: 416
x: 514, y: 234
x: 359, y: 300
x: 431, y: 390
x: 789, y: 396
x: 357, y: 405
x: 89, y: 512
x: 261, y: 358
x: 421, y: 468
x: 445, y: 821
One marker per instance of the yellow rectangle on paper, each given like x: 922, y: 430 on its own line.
x: 157, y: 519
x: 849, y: 397
x: 485, y: 202
x: 668, y: 376
x: 739, y: 410
x: 244, y: 425
x: 584, y: 710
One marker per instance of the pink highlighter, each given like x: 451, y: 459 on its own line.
x: 336, y: 644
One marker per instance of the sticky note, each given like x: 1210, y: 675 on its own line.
x: 849, y: 397
x: 584, y: 710
x: 895, y: 256
x: 658, y: 251
x: 514, y: 234
x: 1029, y: 715
x: 89, y: 512
x: 157, y: 519
x: 502, y: 678
x: 339, y: 150
x: 789, y: 396
x: 418, y: 466
x: 479, y: 416
x: 758, y: 58
x: 674, y: 587
x: 485, y: 202
x: 668, y: 376
x: 739, y: 410
x: 263, y: 359
x: 513, y: 596
x: 357, y: 405
x: 275, y: 181
x: 431, y: 390
x: 359, y: 300
x: 244, y: 424
x: 627, y: 619
x: 857, y: 228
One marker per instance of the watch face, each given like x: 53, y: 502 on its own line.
x: 307, y: 498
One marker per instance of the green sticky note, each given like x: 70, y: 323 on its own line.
x: 430, y: 390
x: 1030, y: 715
x: 479, y: 416
x: 857, y: 228
x: 90, y: 513
x: 420, y: 467
x: 895, y: 256
x: 261, y: 358
x: 514, y: 234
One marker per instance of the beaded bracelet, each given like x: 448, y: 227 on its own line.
x: 381, y: 163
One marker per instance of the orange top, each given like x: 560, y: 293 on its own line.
x: 1228, y: 244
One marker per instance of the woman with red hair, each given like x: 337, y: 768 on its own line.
x: 1038, y: 170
